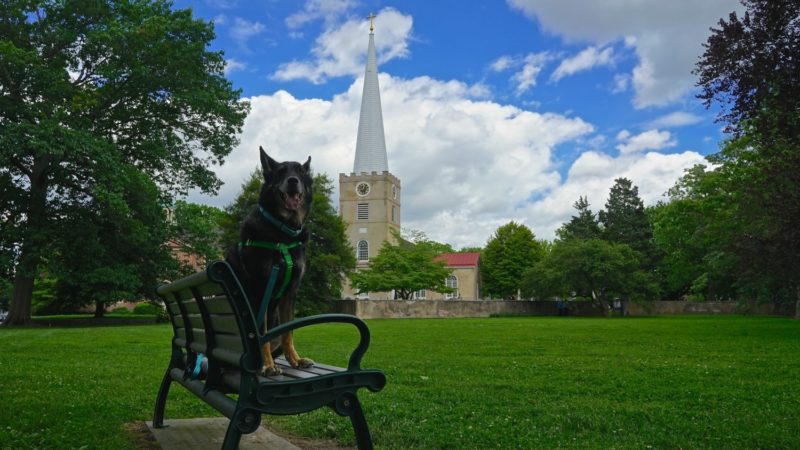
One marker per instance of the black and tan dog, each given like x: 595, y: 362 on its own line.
x: 270, y: 258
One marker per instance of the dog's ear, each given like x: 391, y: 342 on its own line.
x: 307, y: 165
x: 267, y: 163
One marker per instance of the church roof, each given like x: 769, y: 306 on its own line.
x: 371, y: 144
x: 460, y: 259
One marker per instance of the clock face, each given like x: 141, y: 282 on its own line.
x: 362, y: 189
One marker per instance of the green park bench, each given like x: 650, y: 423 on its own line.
x: 216, y: 355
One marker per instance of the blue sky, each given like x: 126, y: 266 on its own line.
x: 493, y: 111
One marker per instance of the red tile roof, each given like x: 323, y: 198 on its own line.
x: 460, y: 259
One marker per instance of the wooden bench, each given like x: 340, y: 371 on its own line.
x: 216, y: 356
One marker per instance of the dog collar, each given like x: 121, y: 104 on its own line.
x: 292, y: 232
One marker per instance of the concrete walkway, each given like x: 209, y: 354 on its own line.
x: 208, y: 434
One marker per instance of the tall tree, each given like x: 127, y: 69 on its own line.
x: 625, y: 221
x: 89, y: 90
x: 750, y: 69
x: 405, y: 267
x: 330, y: 256
x: 583, y: 226
x: 510, y: 252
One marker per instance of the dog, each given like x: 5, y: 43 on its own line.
x: 273, y: 238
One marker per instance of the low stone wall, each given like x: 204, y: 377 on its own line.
x: 677, y: 307
x: 375, y: 309
x: 398, y: 309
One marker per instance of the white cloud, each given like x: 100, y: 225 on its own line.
x: 341, y: 50
x: 242, y: 30
x: 588, y: 58
x: 532, y: 65
x: 648, y: 140
x: 232, y: 65
x: 467, y: 165
x: 675, y: 119
x: 503, y: 63
x: 667, y: 36
x: 327, y: 10
x: 621, y: 83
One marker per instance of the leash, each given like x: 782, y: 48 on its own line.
x: 273, y: 277
x: 289, y: 231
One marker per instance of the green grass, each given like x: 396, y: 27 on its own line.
x: 546, y: 382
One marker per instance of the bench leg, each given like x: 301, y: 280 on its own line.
x: 348, y: 405
x: 161, y: 400
x: 232, y: 437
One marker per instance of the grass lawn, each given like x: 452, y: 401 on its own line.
x: 538, y: 382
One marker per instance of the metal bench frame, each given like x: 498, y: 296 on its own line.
x: 212, y: 322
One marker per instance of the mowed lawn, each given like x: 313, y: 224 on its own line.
x: 535, y: 382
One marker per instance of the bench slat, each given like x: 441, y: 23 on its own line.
x: 224, y: 323
x: 218, y: 305
x: 229, y: 342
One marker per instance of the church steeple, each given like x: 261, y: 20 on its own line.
x: 371, y: 144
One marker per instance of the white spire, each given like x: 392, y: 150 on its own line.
x: 371, y: 144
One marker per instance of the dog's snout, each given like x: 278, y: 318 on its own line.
x: 293, y: 181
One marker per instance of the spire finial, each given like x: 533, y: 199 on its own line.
x: 370, y: 17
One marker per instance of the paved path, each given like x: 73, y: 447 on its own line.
x: 208, y: 434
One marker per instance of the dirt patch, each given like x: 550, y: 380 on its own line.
x: 141, y: 436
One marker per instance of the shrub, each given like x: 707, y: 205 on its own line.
x: 146, y: 308
x: 120, y: 310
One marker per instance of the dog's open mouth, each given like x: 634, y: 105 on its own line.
x: 293, y: 201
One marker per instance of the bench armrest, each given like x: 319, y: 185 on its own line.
x: 358, y: 353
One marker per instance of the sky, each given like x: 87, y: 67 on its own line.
x: 493, y: 110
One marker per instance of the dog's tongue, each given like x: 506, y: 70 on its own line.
x: 293, y: 202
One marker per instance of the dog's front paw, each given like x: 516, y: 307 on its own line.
x: 303, y: 363
x: 270, y: 371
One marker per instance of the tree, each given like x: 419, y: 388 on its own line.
x: 88, y: 92
x: 750, y: 69
x: 582, y: 226
x: 593, y: 269
x: 330, y: 256
x: 625, y: 222
x: 510, y: 252
x: 405, y: 267
x: 196, y: 230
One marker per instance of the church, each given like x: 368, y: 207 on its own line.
x: 370, y: 198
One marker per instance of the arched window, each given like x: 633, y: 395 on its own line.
x: 363, y: 250
x: 452, y: 282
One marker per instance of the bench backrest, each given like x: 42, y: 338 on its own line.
x: 210, y: 314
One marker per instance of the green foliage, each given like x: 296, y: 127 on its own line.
x: 593, y: 269
x: 405, y: 267
x: 625, y: 222
x: 146, y: 308
x: 240, y: 207
x: 510, y: 252
x: 582, y: 226
x: 196, y: 229
x: 589, y: 383
x: 95, y: 95
x: 330, y: 256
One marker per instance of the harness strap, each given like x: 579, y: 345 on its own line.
x: 287, y: 276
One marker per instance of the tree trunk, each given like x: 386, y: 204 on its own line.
x: 20, y: 310
x: 99, y: 309
x: 30, y: 250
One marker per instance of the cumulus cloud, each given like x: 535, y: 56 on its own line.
x: 588, y: 58
x: 648, y: 140
x: 467, y: 165
x: 667, y: 36
x: 341, y: 49
x: 242, y: 30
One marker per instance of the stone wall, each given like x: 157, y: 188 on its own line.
x: 376, y: 309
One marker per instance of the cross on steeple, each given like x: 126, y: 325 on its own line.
x: 370, y: 17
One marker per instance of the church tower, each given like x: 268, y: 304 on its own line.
x: 369, y: 198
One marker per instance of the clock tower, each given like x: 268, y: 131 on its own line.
x: 369, y: 197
